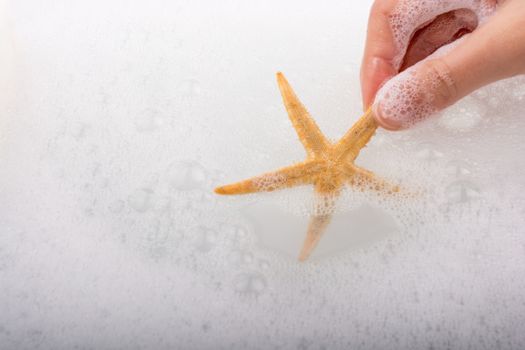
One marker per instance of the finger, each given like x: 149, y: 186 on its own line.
x: 380, y: 50
x: 491, y: 53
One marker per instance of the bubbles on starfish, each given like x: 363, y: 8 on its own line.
x: 269, y: 182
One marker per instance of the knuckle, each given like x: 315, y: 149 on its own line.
x: 441, y: 82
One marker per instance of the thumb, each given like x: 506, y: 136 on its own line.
x: 487, y: 55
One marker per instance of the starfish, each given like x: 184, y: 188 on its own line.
x: 328, y: 166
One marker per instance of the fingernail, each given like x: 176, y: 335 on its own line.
x: 384, y: 120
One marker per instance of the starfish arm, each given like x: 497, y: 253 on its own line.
x: 316, y: 228
x: 298, y: 174
x: 357, y: 137
x: 309, y: 133
x: 321, y: 218
x: 369, y: 181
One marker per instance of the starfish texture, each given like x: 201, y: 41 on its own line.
x: 328, y: 166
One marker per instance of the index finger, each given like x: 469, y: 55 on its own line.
x: 377, y: 65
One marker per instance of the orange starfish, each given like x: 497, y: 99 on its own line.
x: 328, y: 166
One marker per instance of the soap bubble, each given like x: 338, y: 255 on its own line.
x: 189, y: 89
x: 240, y: 258
x: 240, y: 234
x: 458, y: 169
x: 140, y: 200
x: 480, y: 95
x: 162, y: 203
x: 428, y: 152
x: 205, y: 238
x: 494, y: 102
x: 79, y: 130
x: 148, y: 121
x: 187, y: 175
x: 264, y: 264
x: 116, y: 206
x: 163, y: 237
x: 519, y: 92
x: 250, y: 283
x: 462, y: 191
x: 464, y: 116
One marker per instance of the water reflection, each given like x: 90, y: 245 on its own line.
x: 281, y: 231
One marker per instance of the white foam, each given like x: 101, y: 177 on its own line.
x: 111, y: 236
x: 410, y: 15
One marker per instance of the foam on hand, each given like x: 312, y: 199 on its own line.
x: 410, y: 15
x: 408, y: 98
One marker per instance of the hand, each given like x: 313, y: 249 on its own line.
x: 404, y: 76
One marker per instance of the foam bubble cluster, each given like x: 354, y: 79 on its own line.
x: 407, y: 99
x: 410, y: 15
x: 269, y: 182
x: 421, y: 89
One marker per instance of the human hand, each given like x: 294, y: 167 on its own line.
x: 407, y: 80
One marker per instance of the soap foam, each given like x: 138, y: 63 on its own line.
x: 409, y: 15
x: 112, y: 238
x: 408, y: 98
